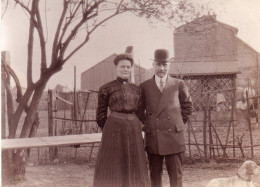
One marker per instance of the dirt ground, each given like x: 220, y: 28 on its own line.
x: 79, y: 172
x: 77, y: 175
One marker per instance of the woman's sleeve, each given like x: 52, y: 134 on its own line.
x: 141, y: 107
x: 103, y: 99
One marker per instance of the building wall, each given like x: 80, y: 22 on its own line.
x: 218, y: 45
x: 139, y: 74
x: 98, y: 75
x: 104, y: 72
x: 247, y: 63
x: 221, y: 44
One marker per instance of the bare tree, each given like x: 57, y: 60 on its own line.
x: 78, y: 18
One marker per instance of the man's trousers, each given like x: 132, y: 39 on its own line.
x: 174, y: 167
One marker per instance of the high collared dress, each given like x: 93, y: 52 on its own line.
x: 121, y: 160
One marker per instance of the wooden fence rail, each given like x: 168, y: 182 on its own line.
x: 50, y: 141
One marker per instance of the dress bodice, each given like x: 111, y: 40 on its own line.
x: 119, y: 95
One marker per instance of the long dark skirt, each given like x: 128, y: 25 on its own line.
x: 121, y: 160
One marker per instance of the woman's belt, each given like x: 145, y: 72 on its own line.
x: 127, y: 116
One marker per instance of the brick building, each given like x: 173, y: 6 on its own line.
x: 104, y: 71
x: 208, y: 40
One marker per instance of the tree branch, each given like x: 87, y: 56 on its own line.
x: 32, y: 110
x: 88, y: 34
x: 3, y: 12
x: 19, y: 110
x: 76, y: 49
x: 119, y: 5
x: 23, y: 6
x: 9, y: 98
x: 10, y: 105
x: 42, y: 40
x: 68, y: 23
x: 30, y: 43
x: 56, y: 38
x: 92, y: 30
x: 104, y: 20
x: 75, y: 30
x: 17, y: 83
x: 84, y: 19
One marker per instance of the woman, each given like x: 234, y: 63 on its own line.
x: 121, y: 158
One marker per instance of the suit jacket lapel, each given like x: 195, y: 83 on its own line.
x: 165, y: 95
x: 154, y: 85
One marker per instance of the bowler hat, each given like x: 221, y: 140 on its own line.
x: 124, y: 56
x: 161, y: 55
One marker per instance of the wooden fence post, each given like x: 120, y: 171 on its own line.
x: 258, y: 89
x: 189, y: 142
x: 205, y: 136
x: 3, y: 108
x: 6, y: 58
x: 50, y: 122
x: 249, y: 125
x: 205, y: 123
x: 50, y: 116
x: 211, y: 147
x: 232, y: 122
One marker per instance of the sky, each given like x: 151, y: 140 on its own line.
x: 117, y: 34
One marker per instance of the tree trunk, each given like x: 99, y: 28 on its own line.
x: 13, y: 166
x: 13, y: 161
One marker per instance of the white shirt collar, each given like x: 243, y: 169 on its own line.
x: 157, y: 79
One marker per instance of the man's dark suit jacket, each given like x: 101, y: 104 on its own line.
x: 164, y: 115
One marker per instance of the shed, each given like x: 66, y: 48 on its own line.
x: 202, y: 78
x: 104, y: 71
x: 209, y: 40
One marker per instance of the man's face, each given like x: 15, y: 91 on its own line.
x: 161, y: 69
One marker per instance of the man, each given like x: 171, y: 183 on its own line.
x: 166, y: 108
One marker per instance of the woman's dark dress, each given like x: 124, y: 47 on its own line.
x: 121, y: 158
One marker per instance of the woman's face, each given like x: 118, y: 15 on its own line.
x: 123, y: 69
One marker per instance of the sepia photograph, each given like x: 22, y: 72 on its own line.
x: 130, y: 93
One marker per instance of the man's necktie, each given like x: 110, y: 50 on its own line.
x: 161, y: 85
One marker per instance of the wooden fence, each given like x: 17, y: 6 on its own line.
x: 71, y: 113
x: 213, y: 134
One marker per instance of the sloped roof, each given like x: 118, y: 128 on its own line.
x: 240, y: 40
x: 203, y: 68
x: 111, y: 60
x: 108, y: 59
x: 204, y: 19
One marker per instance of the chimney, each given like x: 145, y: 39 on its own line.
x: 129, y: 50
